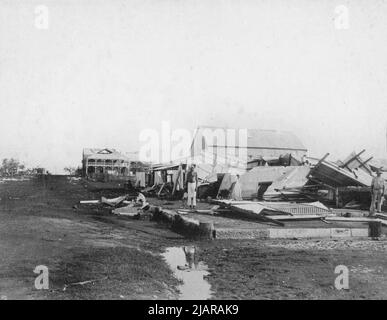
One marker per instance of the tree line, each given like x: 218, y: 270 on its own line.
x: 11, y: 167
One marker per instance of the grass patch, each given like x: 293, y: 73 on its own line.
x: 119, y: 271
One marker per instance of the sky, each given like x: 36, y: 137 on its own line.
x: 100, y: 72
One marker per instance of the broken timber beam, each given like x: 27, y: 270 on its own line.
x: 353, y: 158
x: 177, y: 181
x: 317, y: 164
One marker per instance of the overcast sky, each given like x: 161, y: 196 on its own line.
x: 104, y: 70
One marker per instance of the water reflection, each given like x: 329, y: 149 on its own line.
x: 187, y: 267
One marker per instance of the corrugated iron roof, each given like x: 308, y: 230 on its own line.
x: 265, y: 139
x: 270, y: 208
x: 273, y: 139
x: 334, y: 176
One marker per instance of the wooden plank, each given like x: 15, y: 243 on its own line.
x: 177, y: 181
x: 349, y: 219
x: 267, y: 219
x: 289, y: 218
x: 362, y: 164
x: 318, y: 163
x: 355, y: 219
x: 113, y: 202
x: 353, y: 158
x: 381, y: 216
x: 161, y: 189
x: 258, y: 216
x: 89, y: 201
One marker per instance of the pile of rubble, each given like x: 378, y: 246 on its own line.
x: 123, y: 206
x: 341, y: 183
x: 344, y: 184
x: 271, y: 194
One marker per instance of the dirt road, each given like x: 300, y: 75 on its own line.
x: 39, y: 225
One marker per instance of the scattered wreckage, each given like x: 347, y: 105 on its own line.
x: 273, y: 195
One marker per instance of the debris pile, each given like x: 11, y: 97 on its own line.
x: 271, y: 190
x: 136, y: 208
x: 341, y: 183
x: 344, y: 184
x: 276, y: 212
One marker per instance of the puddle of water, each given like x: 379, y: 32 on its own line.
x: 185, y: 264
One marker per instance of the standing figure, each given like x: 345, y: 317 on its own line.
x: 237, y: 190
x: 377, y: 193
x: 184, y: 200
x: 192, y: 183
x: 191, y: 257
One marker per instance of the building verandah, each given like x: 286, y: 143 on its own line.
x: 105, y: 161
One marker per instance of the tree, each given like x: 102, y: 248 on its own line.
x: 10, y: 167
x: 73, y: 171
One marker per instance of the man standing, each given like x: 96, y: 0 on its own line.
x: 377, y: 193
x: 236, y: 193
x: 192, y: 183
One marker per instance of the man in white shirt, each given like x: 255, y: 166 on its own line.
x: 192, y: 184
x: 377, y: 193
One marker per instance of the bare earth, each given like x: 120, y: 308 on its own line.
x: 39, y: 225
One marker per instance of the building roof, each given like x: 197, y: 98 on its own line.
x: 272, y: 139
x: 104, y: 154
x: 267, y: 139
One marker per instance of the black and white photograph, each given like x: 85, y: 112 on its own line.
x: 210, y: 151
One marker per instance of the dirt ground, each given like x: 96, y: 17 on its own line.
x: 296, y: 269
x: 41, y: 223
x: 39, y: 226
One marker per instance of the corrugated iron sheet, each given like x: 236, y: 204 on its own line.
x: 296, y: 178
x: 316, y: 208
x: 334, y: 176
x: 275, y: 208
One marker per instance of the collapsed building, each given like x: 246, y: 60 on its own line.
x: 271, y: 165
x: 220, y: 154
x: 285, y: 192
